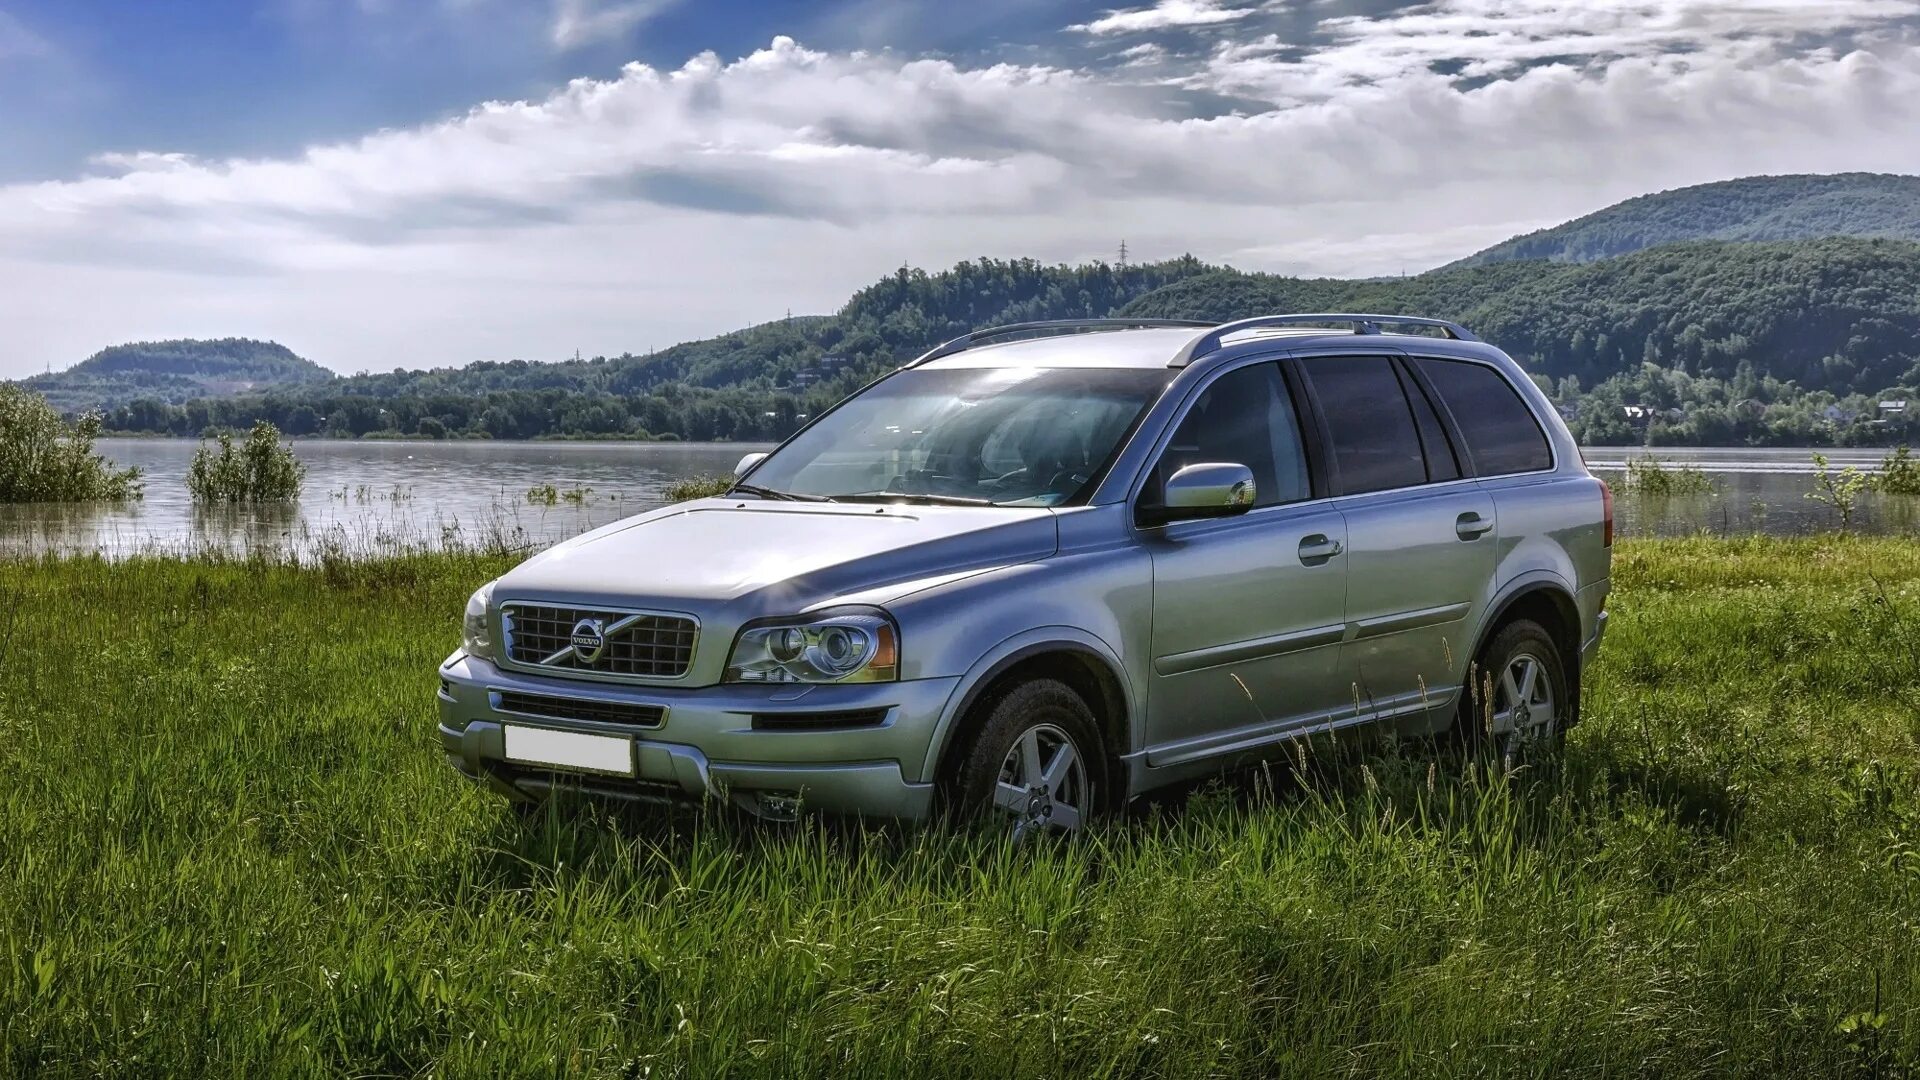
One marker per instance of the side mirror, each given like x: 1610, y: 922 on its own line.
x: 746, y: 464
x: 1210, y: 490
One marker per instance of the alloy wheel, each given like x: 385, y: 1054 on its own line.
x: 1524, y: 711
x: 1043, y: 782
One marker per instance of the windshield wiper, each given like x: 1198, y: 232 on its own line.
x: 781, y: 496
x: 920, y: 500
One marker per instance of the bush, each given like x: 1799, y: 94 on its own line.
x: 1900, y: 473
x: 1649, y: 475
x: 262, y: 469
x: 43, y: 460
x: 697, y: 487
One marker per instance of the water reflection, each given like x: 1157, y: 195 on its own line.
x: 368, y: 497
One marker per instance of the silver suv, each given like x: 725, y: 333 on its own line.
x: 1047, y: 567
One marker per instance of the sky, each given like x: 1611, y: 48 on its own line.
x: 418, y: 183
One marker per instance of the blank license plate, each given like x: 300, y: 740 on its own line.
x: 570, y: 750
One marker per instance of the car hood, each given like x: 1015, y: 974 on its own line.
x: 728, y: 561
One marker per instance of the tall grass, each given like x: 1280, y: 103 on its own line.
x: 43, y: 460
x: 697, y: 487
x: 1649, y: 475
x: 233, y: 850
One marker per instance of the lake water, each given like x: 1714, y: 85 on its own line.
x: 372, y: 496
x: 368, y: 497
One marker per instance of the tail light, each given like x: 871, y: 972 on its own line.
x: 1606, y: 512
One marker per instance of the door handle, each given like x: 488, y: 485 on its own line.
x: 1471, y: 526
x: 1318, y: 548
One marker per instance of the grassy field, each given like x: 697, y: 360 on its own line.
x: 229, y: 847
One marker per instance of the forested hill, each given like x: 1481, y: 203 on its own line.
x: 1755, y: 342
x: 1754, y: 208
x: 1839, y: 314
x: 176, y: 371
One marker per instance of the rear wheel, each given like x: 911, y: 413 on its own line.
x: 1517, y: 693
x: 1036, y: 763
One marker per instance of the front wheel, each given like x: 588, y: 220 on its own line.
x: 1517, y: 695
x: 1036, y: 764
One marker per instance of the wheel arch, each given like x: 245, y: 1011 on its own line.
x: 1547, y: 599
x: 1068, y: 654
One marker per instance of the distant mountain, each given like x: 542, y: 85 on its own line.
x: 1755, y: 208
x: 174, y: 372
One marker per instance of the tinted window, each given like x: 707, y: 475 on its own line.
x: 1500, y: 431
x: 1369, y: 424
x: 1441, y: 464
x: 1245, y: 417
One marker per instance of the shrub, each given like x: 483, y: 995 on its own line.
x: 1839, y: 492
x: 1900, y: 473
x: 697, y: 487
x: 262, y: 469
x: 1648, y: 475
x: 43, y: 460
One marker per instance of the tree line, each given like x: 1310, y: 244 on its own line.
x: 1708, y: 342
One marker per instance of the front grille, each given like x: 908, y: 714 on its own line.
x: 559, y: 708
x: 638, y: 645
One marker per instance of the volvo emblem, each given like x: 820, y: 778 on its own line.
x: 588, y: 639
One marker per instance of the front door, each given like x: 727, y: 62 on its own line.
x: 1248, y: 610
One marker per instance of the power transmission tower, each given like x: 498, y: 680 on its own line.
x: 1123, y: 253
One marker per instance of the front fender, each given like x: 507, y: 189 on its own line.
x: 1004, y: 656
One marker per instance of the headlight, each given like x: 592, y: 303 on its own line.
x: 476, y: 634
x: 849, y: 645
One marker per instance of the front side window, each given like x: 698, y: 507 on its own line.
x: 1244, y: 417
x: 1370, y: 426
x: 1005, y: 436
x: 1500, y: 432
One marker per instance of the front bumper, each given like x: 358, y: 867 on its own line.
x: 708, y: 747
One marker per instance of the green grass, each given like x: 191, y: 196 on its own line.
x: 231, y: 848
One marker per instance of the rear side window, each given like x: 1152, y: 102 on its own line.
x: 1370, y: 426
x: 1500, y: 432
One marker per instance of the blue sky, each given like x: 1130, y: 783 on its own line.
x: 381, y: 183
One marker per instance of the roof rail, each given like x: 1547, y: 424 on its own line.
x: 1362, y: 324
x: 969, y: 340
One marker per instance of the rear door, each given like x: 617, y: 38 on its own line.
x: 1420, y: 537
x: 1248, y: 611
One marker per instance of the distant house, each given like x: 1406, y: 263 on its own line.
x: 1749, y: 408
x: 1891, y: 409
x: 1569, y: 410
x: 1639, y: 415
x: 1834, y: 414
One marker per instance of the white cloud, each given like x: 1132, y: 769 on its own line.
x: 585, y: 22
x: 1164, y: 15
x: 663, y: 204
x: 1480, y: 39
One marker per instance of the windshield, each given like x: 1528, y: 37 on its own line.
x: 1001, y: 435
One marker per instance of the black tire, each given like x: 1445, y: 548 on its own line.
x: 1546, y: 720
x: 1050, y: 709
